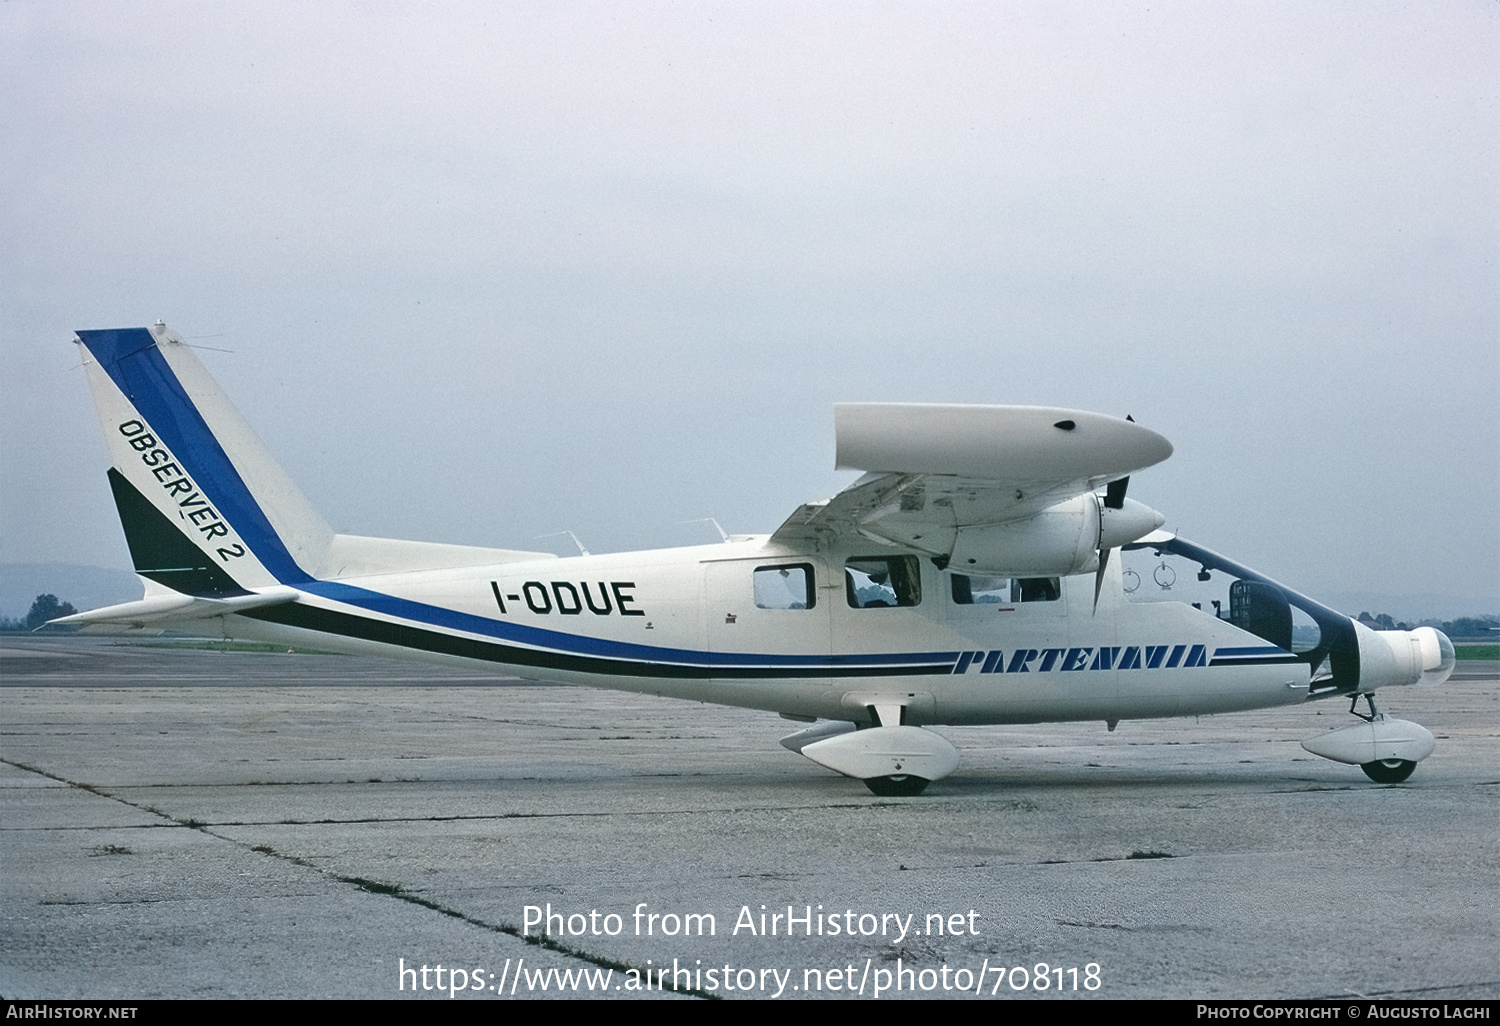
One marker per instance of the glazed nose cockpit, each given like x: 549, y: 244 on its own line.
x: 1343, y: 655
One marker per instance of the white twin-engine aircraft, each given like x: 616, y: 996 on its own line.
x: 966, y: 578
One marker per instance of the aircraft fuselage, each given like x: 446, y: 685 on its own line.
x: 686, y: 623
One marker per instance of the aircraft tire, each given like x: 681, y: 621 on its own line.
x: 1388, y: 771
x: 900, y: 785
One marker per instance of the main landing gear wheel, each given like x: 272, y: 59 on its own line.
x: 1386, y: 771
x: 906, y: 785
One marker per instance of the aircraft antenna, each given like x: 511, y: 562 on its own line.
x: 557, y: 534
x: 708, y: 520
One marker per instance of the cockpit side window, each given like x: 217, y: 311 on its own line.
x: 1039, y: 589
x: 785, y: 587
x: 973, y: 591
x: 877, y: 582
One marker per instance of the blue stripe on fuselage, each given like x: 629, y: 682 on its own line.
x: 452, y: 619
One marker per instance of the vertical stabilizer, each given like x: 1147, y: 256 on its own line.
x: 205, y: 508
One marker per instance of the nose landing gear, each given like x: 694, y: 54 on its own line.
x: 1388, y: 771
x: 1386, y: 749
x: 899, y: 785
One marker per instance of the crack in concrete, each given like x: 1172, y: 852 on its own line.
x: 378, y: 887
x: 1375, y: 994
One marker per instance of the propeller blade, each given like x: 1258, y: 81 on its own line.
x: 1099, y: 577
x: 1114, y: 494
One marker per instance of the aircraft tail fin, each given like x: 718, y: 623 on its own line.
x: 206, y: 510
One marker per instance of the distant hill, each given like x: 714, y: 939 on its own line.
x: 86, y: 587
x: 1411, y: 608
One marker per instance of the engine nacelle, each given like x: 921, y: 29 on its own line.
x: 1423, y: 656
x: 1061, y: 540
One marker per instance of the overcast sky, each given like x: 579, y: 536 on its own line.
x: 490, y: 271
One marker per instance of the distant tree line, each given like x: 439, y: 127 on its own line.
x: 46, y: 607
x: 1470, y: 627
x: 1463, y: 627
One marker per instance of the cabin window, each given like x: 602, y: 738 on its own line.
x: 973, y: 591
x: 877, y: 582
x: 784, y: 587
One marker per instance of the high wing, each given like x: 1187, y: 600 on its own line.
x: 990, y: 488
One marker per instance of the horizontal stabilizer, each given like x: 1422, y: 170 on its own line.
x: 175, y: 606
